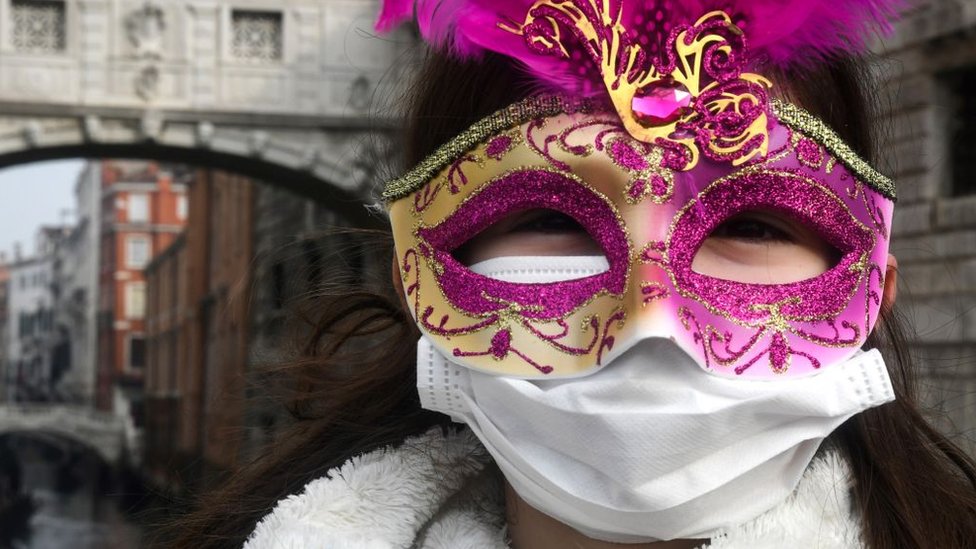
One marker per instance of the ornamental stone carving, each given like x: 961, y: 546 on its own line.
x: 144, y: 29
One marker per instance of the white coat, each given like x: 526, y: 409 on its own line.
x: 441, y: 492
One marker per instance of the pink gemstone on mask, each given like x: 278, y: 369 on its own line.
x: 660, y: 103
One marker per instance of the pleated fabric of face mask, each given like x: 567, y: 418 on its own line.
x: 651, y: 447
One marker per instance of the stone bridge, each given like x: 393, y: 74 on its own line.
x: 281, y: 90
x: 102, y: 432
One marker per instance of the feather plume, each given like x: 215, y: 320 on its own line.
x: 784, y: 33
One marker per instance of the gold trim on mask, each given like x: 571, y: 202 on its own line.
x: 801, y: 120
x: 512, y: 116
x: 545, y: 106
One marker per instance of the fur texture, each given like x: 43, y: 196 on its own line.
x: 438, y: 492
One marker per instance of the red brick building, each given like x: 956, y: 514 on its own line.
x: 144, y: 209
x: 197, y: 331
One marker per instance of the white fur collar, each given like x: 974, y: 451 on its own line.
x: 437, y: 492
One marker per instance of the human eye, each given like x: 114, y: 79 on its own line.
x: 764, y: 247
x: 757, y: 227
x: 533, y: 232
x: 546, y: 221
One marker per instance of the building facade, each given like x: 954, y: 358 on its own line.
x: 143, y: 210
x: 75, y: 291
x: 4, y: 321
x: 31, y: 371
x: 197, y: 322
x: 926, y: 75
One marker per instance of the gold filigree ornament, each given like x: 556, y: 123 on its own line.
x: 694, y: 100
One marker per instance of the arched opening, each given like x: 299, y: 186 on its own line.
x: 53, y: 486
x: 167, y: 287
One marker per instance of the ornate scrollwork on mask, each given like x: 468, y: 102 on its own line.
x: 693, y: 99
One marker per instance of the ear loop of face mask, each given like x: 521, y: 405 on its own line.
x: 540, y: 269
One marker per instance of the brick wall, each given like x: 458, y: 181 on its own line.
x: 197, y: 332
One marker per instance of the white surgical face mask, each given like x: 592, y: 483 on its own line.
x: 652, y: 447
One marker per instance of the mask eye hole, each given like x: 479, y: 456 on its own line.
x: 535, y: 232
x: 764, y: 247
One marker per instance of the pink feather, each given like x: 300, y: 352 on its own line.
x: 781, y: 32
x: 393, y: 13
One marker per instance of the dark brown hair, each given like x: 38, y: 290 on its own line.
x: 354, y: 380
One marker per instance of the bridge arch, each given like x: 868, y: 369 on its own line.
x: 277, y: 90
x: 336, y: 166
x: 104, y: 433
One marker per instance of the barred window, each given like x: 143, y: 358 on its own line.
x: 961, y: 132
x: 256, y: 35
x: 38, y: 26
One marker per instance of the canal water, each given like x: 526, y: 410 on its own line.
x: 78, y: 498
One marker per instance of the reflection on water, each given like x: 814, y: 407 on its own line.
x: 77, y: 499
x: 56, y: 525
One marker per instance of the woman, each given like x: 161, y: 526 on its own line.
x: 644, y: 254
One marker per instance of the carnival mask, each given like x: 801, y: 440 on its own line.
x: 682, y: 140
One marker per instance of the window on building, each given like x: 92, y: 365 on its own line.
x: 278, y: 285
x: 24, y: 325
x: 138, y: 251
x: 137, y: 352
x: 38, y: 26
x: 135, y: 300
x: 138, y: 208
x: 256, y: 35
x: 961, y: 132
x: 182, y: 207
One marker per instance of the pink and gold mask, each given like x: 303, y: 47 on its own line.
x: 578, y: 158
x: 680, y: 139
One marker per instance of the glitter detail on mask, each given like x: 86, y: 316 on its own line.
x: 714, y: 107
x: 831, y: 164
x: 617, y: 318
x: 455, y: 174
x: 793, y: 195
x: 456, y: 178
x: 717, y: 346
x: 674, y: 156
x: 732, y: 121
x: 643, y: 161
x: 808, y: 152
x: 504, y: 119
x: 802, y: 121
x: 519, y: 190
x: 871, y: 205
x: 498, y: 146
x: 589, y: 324
x: 652, y: 291
x: 653, y: 253
x: 766, y: 337
x: 501, y: 346
x: 410, y: 267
